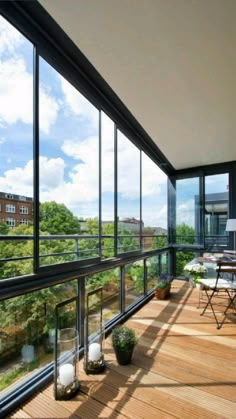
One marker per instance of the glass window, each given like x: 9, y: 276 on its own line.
x: 11, y: 222
x: 24, y: 221
x: 10, y: 208
x: 134, y: 282
x: 128, y: 185
x: 154, y: 205
x: 187, y: 211
x: 153, y: 271
x: 69, y: 176
x: 216, y: 210
x: 16, y: 141
x: 24, y: 210
x: 107, y: 168
x: 27, y: 330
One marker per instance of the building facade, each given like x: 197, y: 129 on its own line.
x: 15, y: 209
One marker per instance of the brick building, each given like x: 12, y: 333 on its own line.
x: 15, y: 209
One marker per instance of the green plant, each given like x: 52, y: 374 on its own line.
x: 123, y: 338
x: 163, y: 281
x: 161, y: 285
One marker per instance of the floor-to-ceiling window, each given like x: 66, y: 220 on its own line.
x: 74, y: 191
x: 128, y: 195
x: 216, y: 210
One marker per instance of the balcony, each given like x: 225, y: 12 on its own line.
x: 115, y: 171
x: 182, y: 367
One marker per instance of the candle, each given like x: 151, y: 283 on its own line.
x: 94, y: 352
x: 66, y: 374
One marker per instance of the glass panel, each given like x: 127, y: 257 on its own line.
x: 153, y: 271
x: 154, y: 205
x: 216, y: 210
x: 128, y: 180
x: 187, y: 211
x: 164, y: 263
x: 68, y: 148
x: 107, y: 186
x: 16, y: 149
x: 134, y: 282
x: 110, y: 281
x: 27, y: 331
x: 182, y: 258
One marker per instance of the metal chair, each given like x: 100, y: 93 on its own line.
x: 223, y: 288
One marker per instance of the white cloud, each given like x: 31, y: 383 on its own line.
x: 155, y: 216
x: 10, y: 38
x: 16, y: 83
x: 20, y: 179
x: 77, y: 103
x: 84, y: 176
x: 153, y: 178
x: 16, y: 91
x: 128, y: 172
x: 185, y: 213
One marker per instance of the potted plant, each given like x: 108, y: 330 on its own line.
x: 163, y: 286
x: 196, y: 272
x: 123, y: 341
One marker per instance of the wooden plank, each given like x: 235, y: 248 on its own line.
x: 19, y: 414
x: 186, y: 393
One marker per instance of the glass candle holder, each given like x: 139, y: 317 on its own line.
x: 94, y: 362
x: 66, y: 382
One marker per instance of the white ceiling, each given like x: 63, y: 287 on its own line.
x: 172, y: 63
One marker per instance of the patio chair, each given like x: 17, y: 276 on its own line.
x: 222, y: 288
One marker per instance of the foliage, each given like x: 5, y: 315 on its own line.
x: 163, y: 281
x: 24, y: 248
x: 100, y: 279
x: 184, y: 234
x: 159, y: 242
x: 4, y: 229
x: 136, y: 272
x: 11, y: 376
x: 181, y: 259
x: 163, y: 284
x: 56, y: 218
x: 123, y: 338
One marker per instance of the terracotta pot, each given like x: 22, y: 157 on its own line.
x: 162, y: 293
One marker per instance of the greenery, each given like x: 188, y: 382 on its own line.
x: 11, y: 376
x: 123, y: 338
x: 4, y: 229
x: 163, y: 284
x: 56, y: 218
x: 185, y: 235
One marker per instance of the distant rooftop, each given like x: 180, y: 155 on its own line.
x: 7, y: 195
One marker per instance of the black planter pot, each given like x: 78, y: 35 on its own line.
x: 124, y: 357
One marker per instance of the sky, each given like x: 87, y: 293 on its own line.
x: 69, y: 127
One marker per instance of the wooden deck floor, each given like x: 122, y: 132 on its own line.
x: 183, y: 367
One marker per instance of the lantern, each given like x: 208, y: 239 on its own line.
x: 94, y: 333
x: 66, y: 382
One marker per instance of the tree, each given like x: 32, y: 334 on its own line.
x: 56, y: 218
x: 184, y: 234
x: 51, y: 252
x: 4, y: 229
x: 159, y: 242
